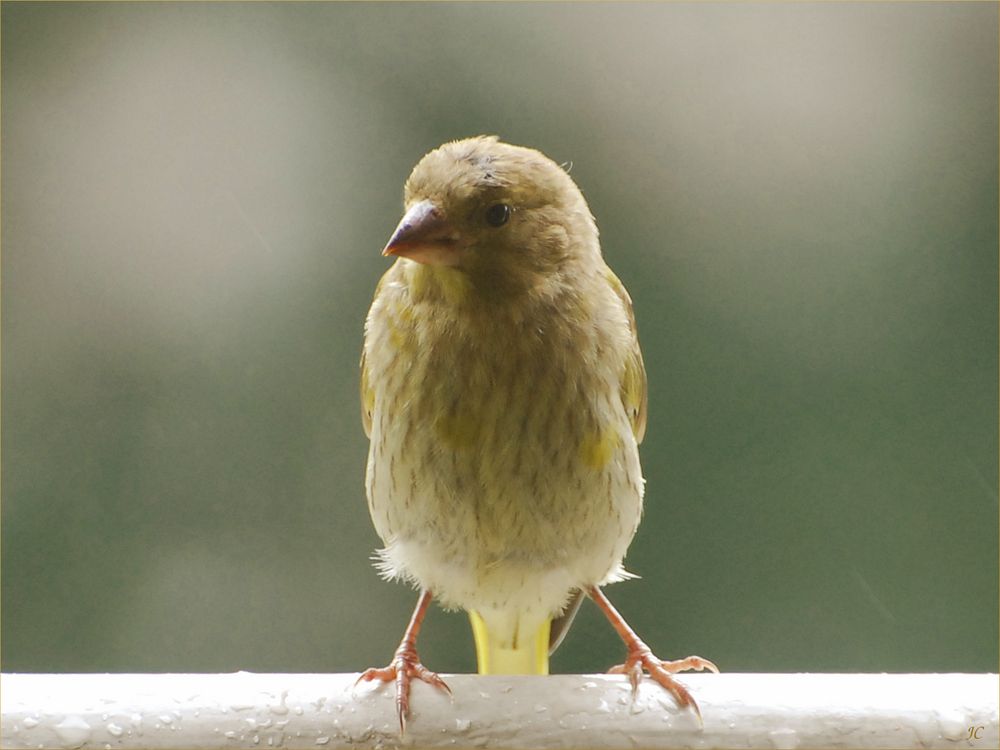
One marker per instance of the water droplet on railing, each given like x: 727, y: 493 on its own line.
x: 73, y: 731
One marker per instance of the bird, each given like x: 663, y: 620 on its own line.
x: 504, y: 395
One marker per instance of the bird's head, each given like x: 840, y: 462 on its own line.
x: 505, y: 215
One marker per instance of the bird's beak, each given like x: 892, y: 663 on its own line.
x: 424, y: 235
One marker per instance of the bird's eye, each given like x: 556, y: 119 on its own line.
x: 497, y: 214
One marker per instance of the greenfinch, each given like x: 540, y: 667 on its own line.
x: 504, y: 394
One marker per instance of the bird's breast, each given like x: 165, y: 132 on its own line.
x: 500, y: 446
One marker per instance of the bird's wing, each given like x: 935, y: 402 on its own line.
x: 367, y: 392
x: 560, y: 625
x: 633, y: 385
x: 634, y: 398
x: 367, y: 398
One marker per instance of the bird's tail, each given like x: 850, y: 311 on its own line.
x: 526, y: 656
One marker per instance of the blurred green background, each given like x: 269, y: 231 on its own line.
x: 802, y: 199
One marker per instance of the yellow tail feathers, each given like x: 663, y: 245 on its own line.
x: 531, y: 656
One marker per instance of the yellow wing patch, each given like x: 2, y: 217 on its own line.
x: 598, y: 448
x: 633, y: 384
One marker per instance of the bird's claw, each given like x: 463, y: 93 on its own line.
x: 641, y: 660
x: 404, y: 667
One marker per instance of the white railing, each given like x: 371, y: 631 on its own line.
x: 325, y: 712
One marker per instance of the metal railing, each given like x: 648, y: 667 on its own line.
x: 324, y: 712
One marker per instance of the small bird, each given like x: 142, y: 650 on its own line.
x: 504, y: 394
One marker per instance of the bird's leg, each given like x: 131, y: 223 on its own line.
x: 405, y: 664
x: 640, y: 658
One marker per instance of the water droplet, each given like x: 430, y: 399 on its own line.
x: 281, y: 709
x: 463, y: 725
x: 73, y: 731
x: 30, y: 723
x: 322, y: 740
x: 114, y: 730
x: 952, y: 724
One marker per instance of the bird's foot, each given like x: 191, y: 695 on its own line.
x: 404, y: 667
x: 641, y: 660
